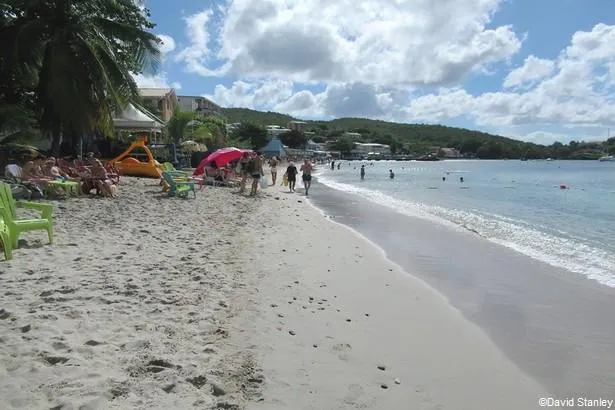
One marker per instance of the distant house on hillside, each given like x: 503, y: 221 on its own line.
x: 449, y: 153
x: 352, y: 135
x: 313, y: 146
x: 162, y: 100
x: 274, y: 131
x: 371, y: 149
x: 297, y: 125
x: 198, y: 104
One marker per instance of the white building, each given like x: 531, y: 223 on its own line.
x: 297, y: 125
x: 352, y: 135
x: 197, y: 104
x: 371, y: 149
x: 274, y: 131
x: 232, y: 127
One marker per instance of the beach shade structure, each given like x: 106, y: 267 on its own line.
x: 274, y: 148
x: 222, y: 157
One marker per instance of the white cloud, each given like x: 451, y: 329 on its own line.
x: 167, y: 45
x: 376, y: 42
x: 197, y: 55
x: 159, y: 80
x: 533, y: 69
x: 252, y: 95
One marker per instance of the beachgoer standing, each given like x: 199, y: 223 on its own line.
x: 291, y: 174
x: 362, y: 172
x: 257, y: 172
x: 273, y: 164
x: 332, y: 165
x: 306, y: 168
x: 391, y: 174
x: 244, y: 168
x: 338, y: 165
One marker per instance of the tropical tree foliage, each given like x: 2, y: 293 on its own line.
x: 209, y: 130
x: 177, y: 126
x: 294, y: 139
x: 343, y: 145
x: 70, y: 62
x: 253, y: 135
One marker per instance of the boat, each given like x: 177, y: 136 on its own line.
x: 607, y: 158
x: 129, y: 165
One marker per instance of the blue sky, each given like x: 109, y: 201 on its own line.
x: 541, y: 71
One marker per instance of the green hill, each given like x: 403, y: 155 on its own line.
x: 419, y: 139
x: 255, y: 117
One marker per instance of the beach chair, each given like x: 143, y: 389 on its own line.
x: 18, y: 226
x: 168, y: 167
x: 178, y: 188
x: 5, y: 239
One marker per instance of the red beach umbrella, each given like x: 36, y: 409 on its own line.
x: 222, y: 157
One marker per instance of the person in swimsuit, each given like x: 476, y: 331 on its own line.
x: 273, y: 164
x: 306, y: 168
x: 362, y: 172
x: 257, y: 172
x: 291, y: 175
x: 244, y: 164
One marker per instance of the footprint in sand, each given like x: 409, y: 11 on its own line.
x: 342, y: 350
x: 353, y: 395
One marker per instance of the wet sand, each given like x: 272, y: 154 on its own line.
x: 555, y: 325
x: 335, y: 325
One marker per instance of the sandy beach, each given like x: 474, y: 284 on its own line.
x: 230, y: 302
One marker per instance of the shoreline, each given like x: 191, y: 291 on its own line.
x: 337, y: 325
x: 550, y: 322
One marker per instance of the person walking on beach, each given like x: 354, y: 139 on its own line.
x: 291, y: 175
x: 306, y: 168
x: 273, y: 164
x: 257, y: 172
x: 362, y: 172
x: 391, y: 174
x: 332, y: 165
x: 338, y: 165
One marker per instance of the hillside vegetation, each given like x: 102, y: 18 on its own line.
x: 419, y: 139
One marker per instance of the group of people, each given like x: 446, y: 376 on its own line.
x: 91, y: 174
x: 251, y: 165
x: 290, y: 176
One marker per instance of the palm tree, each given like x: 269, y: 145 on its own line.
x: 80, y: 54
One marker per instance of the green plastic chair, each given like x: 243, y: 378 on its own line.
x: 178, y: 188
x: 5, y: 239
x: 168, y: 167
x: 17, y: 226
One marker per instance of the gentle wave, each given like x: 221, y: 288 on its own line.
x: 560, y: 250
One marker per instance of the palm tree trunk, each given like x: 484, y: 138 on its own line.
x: 56, y: 139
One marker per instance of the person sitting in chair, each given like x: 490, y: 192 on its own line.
x: 102, y: 181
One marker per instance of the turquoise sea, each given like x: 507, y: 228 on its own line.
x: 517, y: 204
